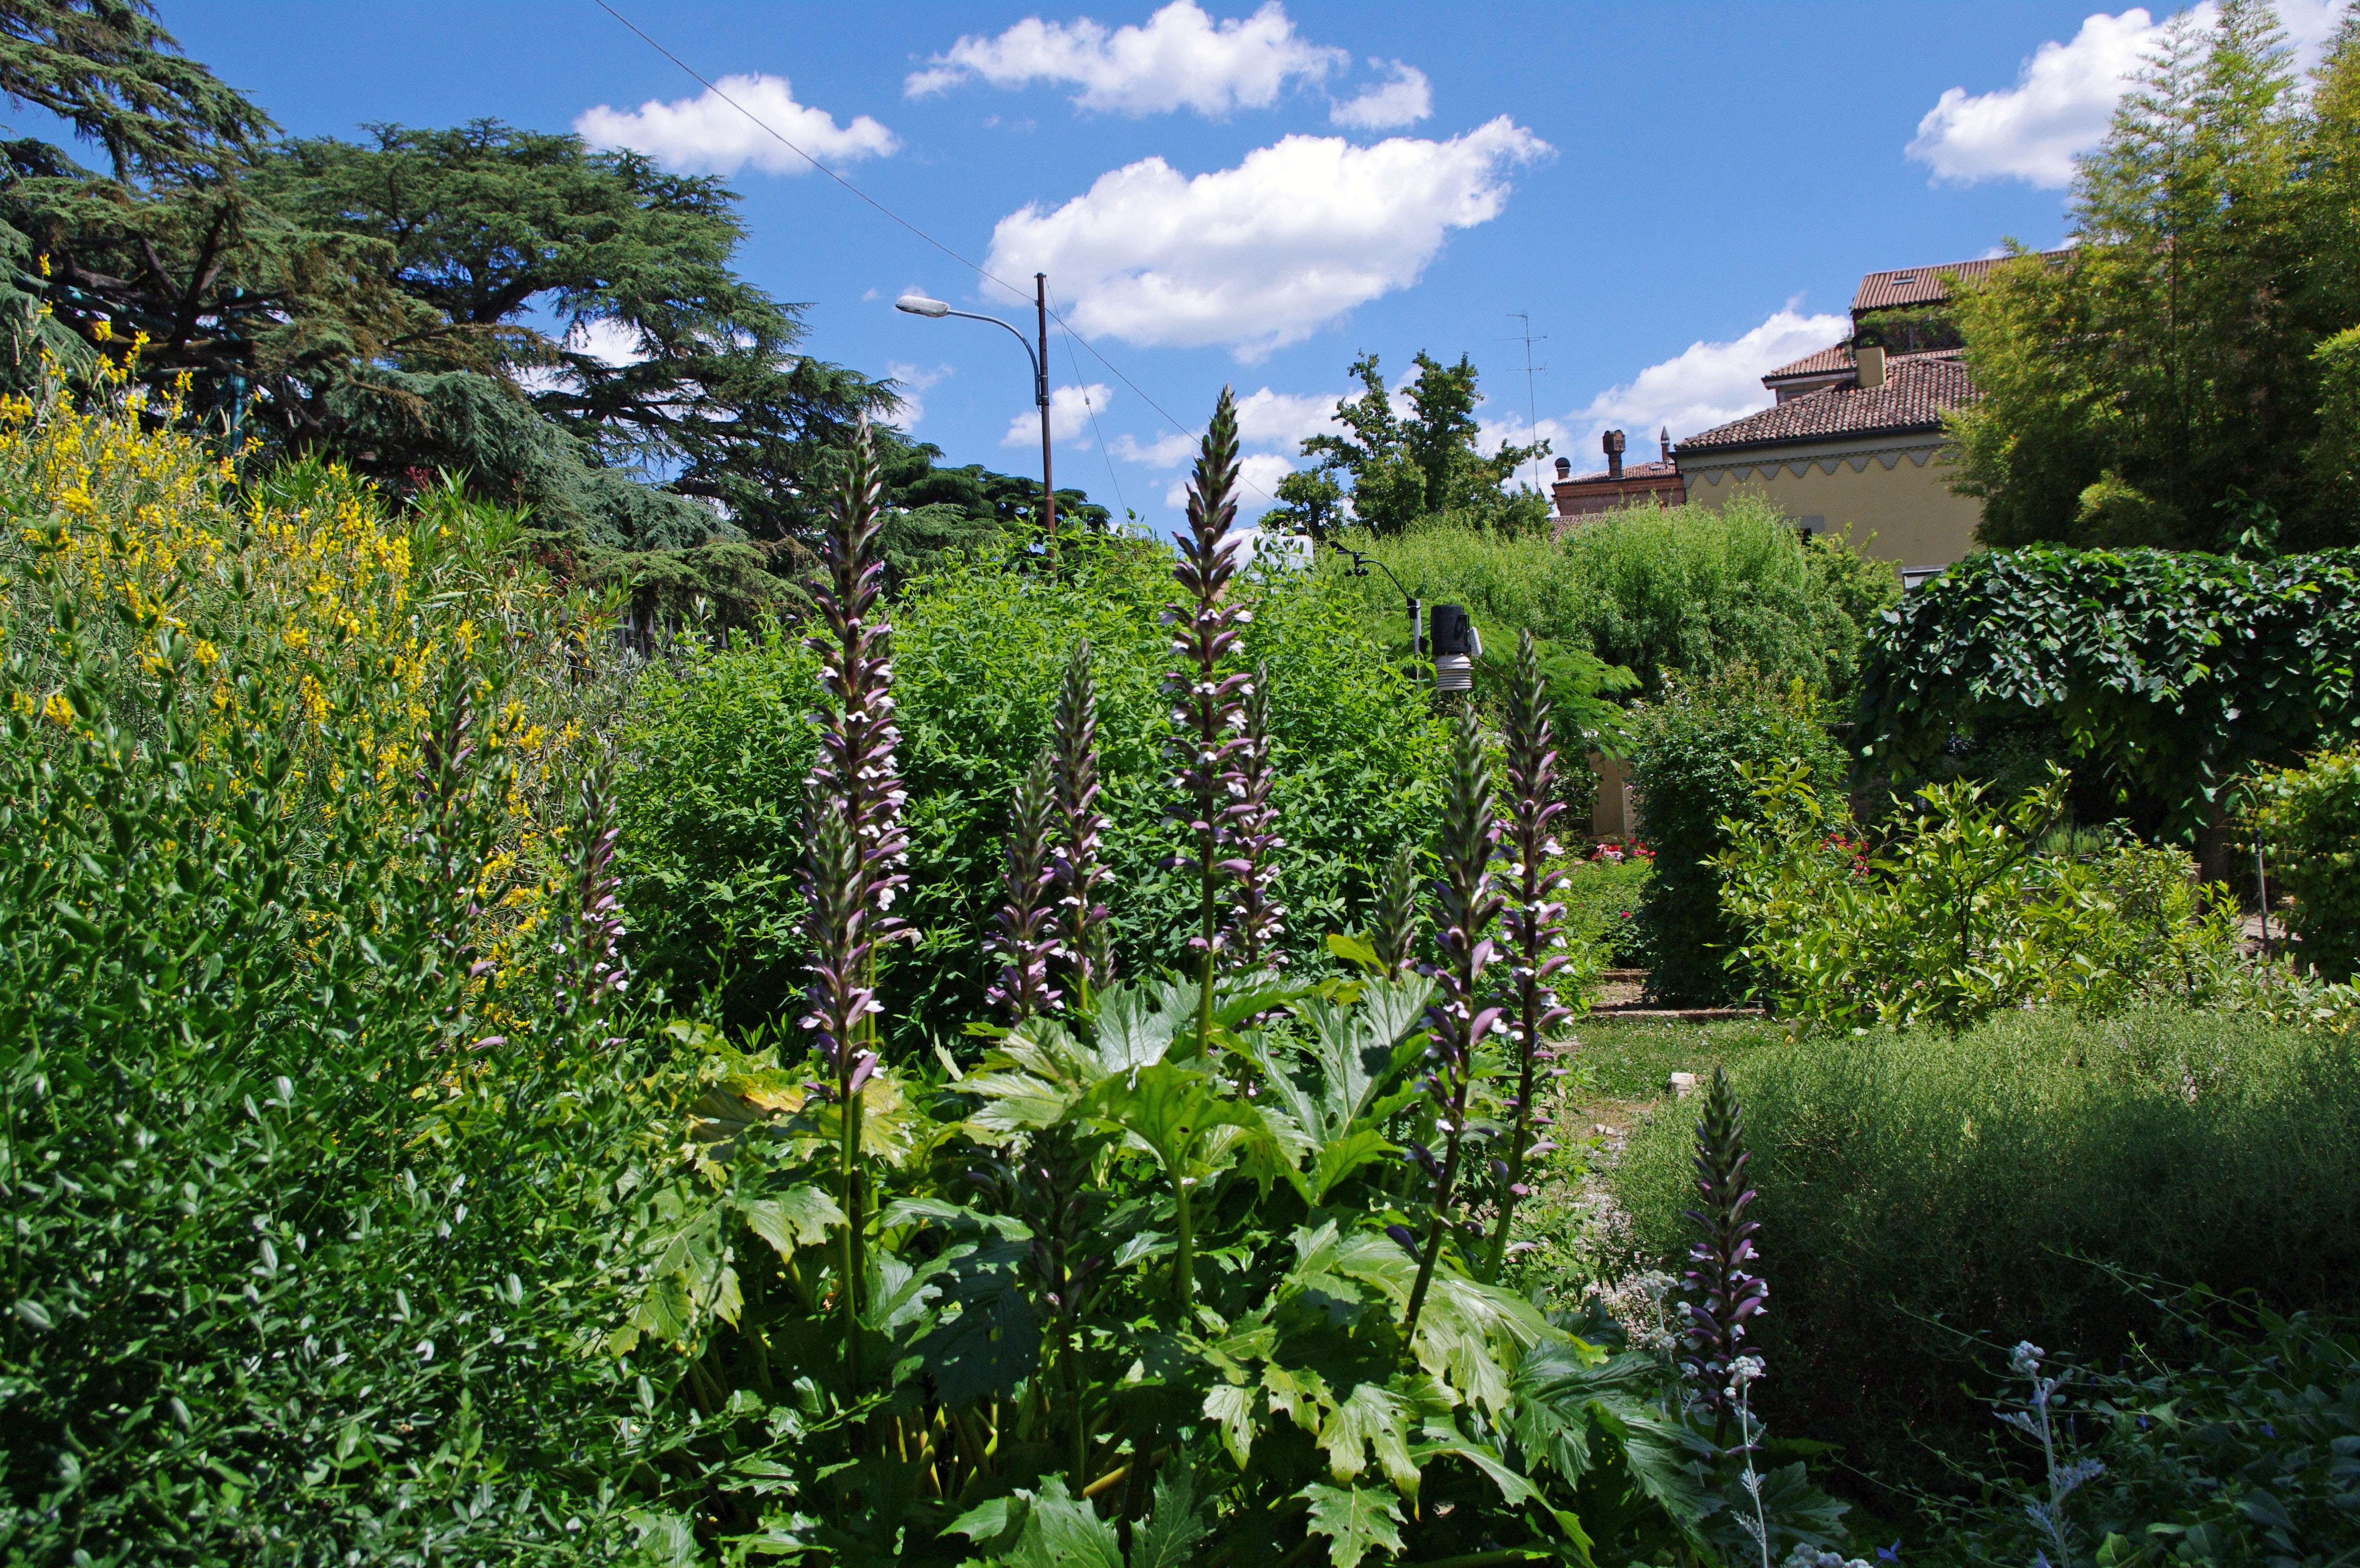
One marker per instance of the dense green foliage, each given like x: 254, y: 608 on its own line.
x: 722, y: 742
x: 1691, y: 589
x: 1425, y: 465
x: 1918, y: 1188
x: 2310, y: 818
x: 2232, y: 1447
x: 1602, y: 900
x: 1691, y: 757
x: 318, y: 1150
x: 2154, y: 385
x: 2174, y: 673
x: 1953, y: 912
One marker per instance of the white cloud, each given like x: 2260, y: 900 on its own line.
x: 1069, y: 417
x: 1284, y: 418
x: 1706, y: 384
x: 1403, y: 100
x: 2065, y: 94
x: 915, y: 380
x: 1262, y: 255
x: 1180, y: 59
x: 1163, y: 451
x: 706, y: 135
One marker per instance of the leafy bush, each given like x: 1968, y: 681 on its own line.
x: 1690, y: 754
x: 1957, y: 913
x: 1603, y: 897
x: 1922, y: 1187
x: 1210, y: 1262
x: 1692, y: 590
x: 2176, y: 673
x: 317, y: 1117
x: 722, y: 744
x: 2236, y: 1449
x: 2310, y: 817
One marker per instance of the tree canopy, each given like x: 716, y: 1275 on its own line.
x: 2174, y: 381
x: 1402, y: 467
x: 563, y: 327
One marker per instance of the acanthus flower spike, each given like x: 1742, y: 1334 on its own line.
x: 1026, y: 941
x: 1723, y: 1294
x: 1465, y: 906
x: 858, y: 849
x: 1079, y: 860
x: 1534, y: 924
x: 1256, y: 919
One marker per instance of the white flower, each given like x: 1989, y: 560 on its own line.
x: 2025, y: 1360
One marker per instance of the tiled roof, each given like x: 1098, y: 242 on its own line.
x: 1837, y: 360
x: 1923, y: 285
x: 1917, y: 391
x: 1630, y: 471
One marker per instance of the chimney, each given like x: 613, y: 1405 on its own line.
x: 1612, y: 442
x: 1871, y: 360
x: 1663, y: 442
x: 1564, y: 468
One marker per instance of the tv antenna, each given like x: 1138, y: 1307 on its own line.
x: 1532, y: 398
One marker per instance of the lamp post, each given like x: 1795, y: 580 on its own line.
x: 919, y: 305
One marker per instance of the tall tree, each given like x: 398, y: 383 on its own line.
x: 2159, y: 387
x: 109, y: 67
x: 1426, y: 463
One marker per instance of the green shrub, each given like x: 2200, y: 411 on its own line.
x: 2172, y: 673
x: 317, y: 1111
x: 1917, y: 1187
x: 1602, y: 900
x: 1690, y: 754
x: 711, y: 848
x: 1692, y: 590
x: 2310, y: 819
x: 1958, y: 913
x: 2233, y: 1448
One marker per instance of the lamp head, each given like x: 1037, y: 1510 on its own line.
x: 919, y: 305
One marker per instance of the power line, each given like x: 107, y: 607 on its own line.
x: 976, y: 267
x: 1532, y: 399
x: 1096, y: 434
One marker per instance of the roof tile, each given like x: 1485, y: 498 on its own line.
x: 1918, y: 389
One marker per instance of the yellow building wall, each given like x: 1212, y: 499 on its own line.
x: 1904, y: 514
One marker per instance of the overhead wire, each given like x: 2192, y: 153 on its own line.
x: 1096, y: 434
x: 976, y: 267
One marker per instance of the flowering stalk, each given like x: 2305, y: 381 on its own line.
x: 1722, y: 1293
x: 1256, y: 920
x: 2064, y: 1480
x: 1027, y: 941
x: 1205, y: 720
x: 1744, y: 1371
x: 1074, y: 743
x: 1465, y: 906
x: 1206, y: 713
x: 857, y: 848
x: 592, y: 977
x: 1534, y: 924
x: 1393, y: 926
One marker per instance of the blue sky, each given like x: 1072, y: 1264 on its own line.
x: 1680, y: 196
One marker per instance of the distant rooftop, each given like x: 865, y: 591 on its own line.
x: 1838, y: 361
x: 1918, y: 389
x: 1923, y: 285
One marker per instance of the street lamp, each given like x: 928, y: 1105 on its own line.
x: 919, y: 305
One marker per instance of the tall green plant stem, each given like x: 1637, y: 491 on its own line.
x: 1205, y: 716
x: 1534, y: 923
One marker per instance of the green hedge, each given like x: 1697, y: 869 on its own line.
x: 712, y: 845
x: 2175, y: 673
x: 1694, y: 590
x: 1916, y: 1188
x: 1687, y: 754
x: 2310, y: 817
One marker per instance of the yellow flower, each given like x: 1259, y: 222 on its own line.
x: 58, y: 711
x: 102, y: 329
